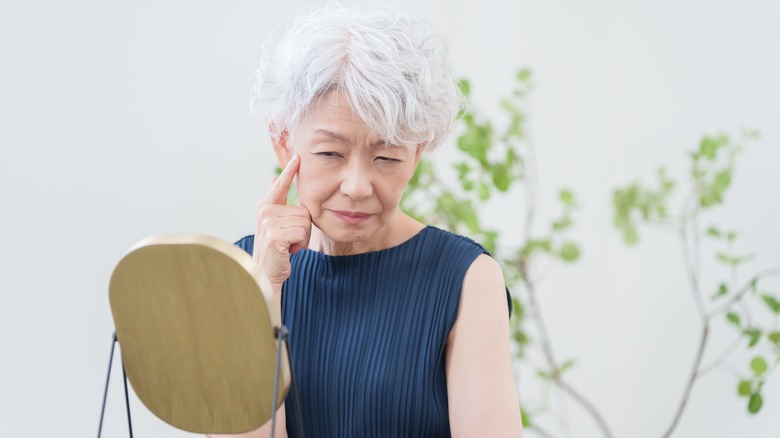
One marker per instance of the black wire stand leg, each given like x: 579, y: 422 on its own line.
x: 108, y: 379
x: 105, y: 391
x: 127, y: 402
x: 282, y: 336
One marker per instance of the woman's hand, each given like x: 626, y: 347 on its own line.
x: 281, y: 229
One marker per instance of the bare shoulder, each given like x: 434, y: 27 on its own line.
x: 485, y: 268
x: 484, y: 288
x: 483, y: 304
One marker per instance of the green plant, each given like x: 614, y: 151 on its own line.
x: 495, y: 162
x: 712, y: 169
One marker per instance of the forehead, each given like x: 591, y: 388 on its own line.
x: 332, y: 113
x: 332, y: 118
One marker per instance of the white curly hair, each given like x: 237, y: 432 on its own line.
x: 394, y: 73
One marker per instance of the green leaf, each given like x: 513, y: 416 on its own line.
x: 744, y: 388
x: 733, y: 318
x: 721, y: 181
x: 544, y: 375
x: 525, y: 417
x: 463, y: 170
x: 630, y: 236
x: 774, y: 337
x: 567, y: 197
x: 489, y: 241
x: 754, y: 405
x: 563, y: 223
x: 510, y: 107
x: 723, y: 290
x: 758, y: 365
x: 708, y: 148
x: 484, y: 191
x: 754, y: 335
x: 570, y: 252
x: 501, y: 178
x: 465, y: 87
x: 733, y: 261
x: 470, y: 218
x: 566, y: 365
x: 713, y: 231
x: 524, y: 75
x: 772, y: 303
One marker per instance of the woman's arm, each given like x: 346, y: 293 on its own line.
x: 480, y: 385
x: 264, y: 430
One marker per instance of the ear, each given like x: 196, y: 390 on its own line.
x: 281, y: 145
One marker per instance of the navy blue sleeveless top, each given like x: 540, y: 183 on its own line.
x: 368, y: 334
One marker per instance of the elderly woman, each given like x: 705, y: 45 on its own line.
x: 397, y: 328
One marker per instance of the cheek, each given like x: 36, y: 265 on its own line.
x: 392, y: 189
x: 313, y: 184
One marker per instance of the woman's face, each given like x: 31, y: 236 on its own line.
x: 349, y: 180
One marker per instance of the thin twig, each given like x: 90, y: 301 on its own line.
x: 696, y: 255
x: 722, y: 358
x: 544, y: 341
x: 586, y: 405
x: 691, y: 262
x: 691, y: 270
x: 691, y: 380
x: 563, y: 414
x: 528, y: 172
x: 743, y: 290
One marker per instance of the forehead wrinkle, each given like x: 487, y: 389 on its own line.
x: 330, y: 134
x: 379, y: 144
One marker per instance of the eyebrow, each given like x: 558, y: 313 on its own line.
x: 342, y: 139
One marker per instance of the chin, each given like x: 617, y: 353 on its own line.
x: 346, y: 233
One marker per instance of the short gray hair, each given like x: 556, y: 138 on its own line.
x: 394, y: 73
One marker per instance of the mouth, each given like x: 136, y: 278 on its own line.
x: 352, y: 217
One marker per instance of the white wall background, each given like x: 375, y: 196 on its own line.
x: 123, y: 119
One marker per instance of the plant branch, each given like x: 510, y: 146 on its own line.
x: 691, y: 261
x: 544, y: 341
x: 743, y: 290
x: 528, y: 170
x: 691, y: 379
x: 722, y: 358
x: 693, y: 276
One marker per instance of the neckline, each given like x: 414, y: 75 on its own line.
x: 369, y: 253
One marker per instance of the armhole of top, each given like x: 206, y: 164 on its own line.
x: 451, y: 324
x: 246, y: 243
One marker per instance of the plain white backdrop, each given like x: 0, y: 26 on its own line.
x: 119, y: 120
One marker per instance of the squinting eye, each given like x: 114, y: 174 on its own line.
x: 329, y: 154
x: 389, y: 160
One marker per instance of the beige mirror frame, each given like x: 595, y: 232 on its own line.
x: 197, y: 334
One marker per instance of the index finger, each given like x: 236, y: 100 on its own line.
x: 280, y: 187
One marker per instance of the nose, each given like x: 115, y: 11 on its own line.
x: 356, y: 181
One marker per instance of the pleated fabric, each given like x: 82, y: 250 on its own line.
x: 368, y: 333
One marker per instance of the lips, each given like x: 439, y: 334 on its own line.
x: 352, y: 217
